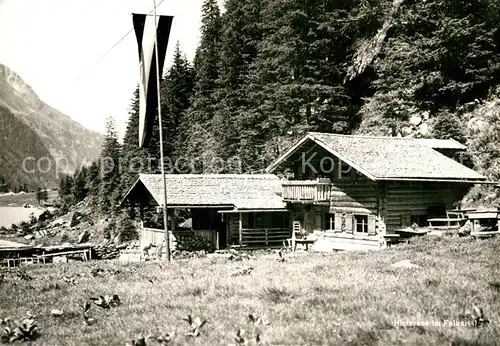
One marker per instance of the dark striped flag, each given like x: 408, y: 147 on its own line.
x: 144, y: 27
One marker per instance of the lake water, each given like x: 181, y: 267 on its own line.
x: 10, y: 215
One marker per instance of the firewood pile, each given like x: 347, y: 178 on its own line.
x: 193, y: 242
x: 106, y: 251
x: 178, y: 254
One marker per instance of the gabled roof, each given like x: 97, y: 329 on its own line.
x: 388, y: 158
x: 240, y: 191
x: 435, y: 143
x: 5, y: 244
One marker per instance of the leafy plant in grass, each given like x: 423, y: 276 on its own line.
x: 276, y: 295
x: 25, y: 331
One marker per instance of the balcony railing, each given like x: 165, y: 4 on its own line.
x: 306, y: 191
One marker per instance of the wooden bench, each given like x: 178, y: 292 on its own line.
x: 485, y: 234
x: 410, y: 232
x: 392, y: 239
x: 448, y: 222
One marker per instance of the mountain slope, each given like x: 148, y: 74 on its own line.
x: 31, y: 128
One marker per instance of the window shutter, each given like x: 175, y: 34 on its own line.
x: 318, y: 221
x: 349, y: 223
x: 371, y: 225
x: 338, y: 221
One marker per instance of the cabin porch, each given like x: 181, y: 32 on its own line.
x: 257, y: 228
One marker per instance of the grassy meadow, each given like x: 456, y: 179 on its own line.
x: 342, y: 298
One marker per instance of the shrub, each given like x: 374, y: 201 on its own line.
x: 33, y: 219
x: 75, y: 219
x: 3, y: 230
x: 45, y: 216
x: 128, y: 230
x: 64, y: 238
x: 25, y: 227
x: 14, y: 228
x: 109, y: 230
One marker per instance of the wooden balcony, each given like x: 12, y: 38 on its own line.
x: 306, y: 191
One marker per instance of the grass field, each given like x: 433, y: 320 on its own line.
x: 309, y: 299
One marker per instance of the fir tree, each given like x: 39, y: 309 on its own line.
x: 93, y: 183
x: 41, y: 195
x: 296, y: 81
x: 240, y: 37
x: 80, y: 188
x: 110, y: 168
x: 197, y: 125
x: 135, y: 159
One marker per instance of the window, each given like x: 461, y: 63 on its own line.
x: 361, y: 223
x: 329, y: 221
x: 420, y: 220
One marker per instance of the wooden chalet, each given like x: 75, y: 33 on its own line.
x: 355, y: 189
x: 244, y: 210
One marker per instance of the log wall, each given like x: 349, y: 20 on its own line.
x: 352, y: 195
x: 404, y: 199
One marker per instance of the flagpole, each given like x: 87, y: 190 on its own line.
x: 160, y: 125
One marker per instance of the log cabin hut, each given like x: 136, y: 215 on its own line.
x: 354, y: 189
x: 242, y: 210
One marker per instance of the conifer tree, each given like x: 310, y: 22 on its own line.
x: 177, y: 90
x: 110, y: 168
x: 93, y: 183
x: 79, y: 189
x: 240, y: 36
x: 197, y: 124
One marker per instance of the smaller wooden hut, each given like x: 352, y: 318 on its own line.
x: 244, y: 210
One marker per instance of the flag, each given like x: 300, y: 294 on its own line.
x: 144, y: 27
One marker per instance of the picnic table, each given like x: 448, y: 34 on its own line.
x: 303, y: 241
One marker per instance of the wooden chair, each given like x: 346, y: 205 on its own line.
x: 290, y: 243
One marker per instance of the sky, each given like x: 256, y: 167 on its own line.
x: 59, y: 48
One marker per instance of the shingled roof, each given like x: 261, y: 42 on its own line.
x: 239, y: 191
x: 389, y: 158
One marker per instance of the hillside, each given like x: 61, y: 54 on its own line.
x: 31, y: 128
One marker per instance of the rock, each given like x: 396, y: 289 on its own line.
x: 415, y: 120
x: 406, y: 264
x: 84, y: 237
x: 424, y: 129
x: 60, y: 259
x: 56, y: 312
x: 29, y: 237
x: 406, y: 131
x: 322, y: 245
x: 466, y: 229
